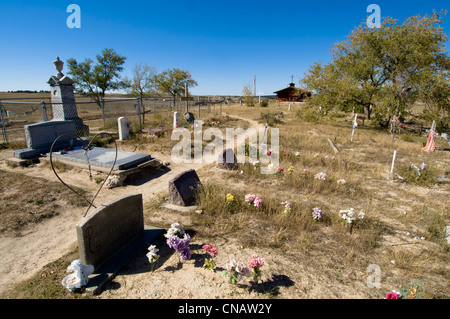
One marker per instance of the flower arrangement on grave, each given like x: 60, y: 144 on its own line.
x: 341, y: 181
x: 256, y: 164
x: 287, y: 153
x: 349, y: 217
x: 287, y: 207
x: 418, y: 170
x: 290, y: 170
x: 297, y: 154
x: 255, y: 264
x: 211, y: 250
x: 253, y: 199
x: 79, y: 276
x: 411, y: 292
x: 231, y: 201
x: 321, y: 176
x: 152, y: 255
x: 317, y: 214
x: 178, y: 239
x: 280, y: 170
x: 271, y: 167
x: 235, y: 271
x: 393, y: 295
x: 174, y: 230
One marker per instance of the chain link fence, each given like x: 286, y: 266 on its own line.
x: 103, y: 116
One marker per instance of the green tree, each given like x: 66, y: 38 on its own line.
x: 94, y: 81
x: 383, y: 71
x: 247, y: 93
x: 142, y: 84
x: 173, y: 82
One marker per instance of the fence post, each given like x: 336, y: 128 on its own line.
x: 5, y: 137
x: 138, y: 106
x: 102, y: 106
x: 44, y: 111
x: 141, y: 101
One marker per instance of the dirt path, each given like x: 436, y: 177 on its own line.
x: 49, y: 240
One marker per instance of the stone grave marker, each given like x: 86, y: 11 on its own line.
x: 182, y: 188
x: 176, y: 119
x: 40, y: 137
x: 63, y: 99
x: 227, y: 159
x: 124, y: 128
x: 111, y: 235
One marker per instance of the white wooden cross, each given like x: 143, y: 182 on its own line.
x: 354, y: 125
x: 259, y: 93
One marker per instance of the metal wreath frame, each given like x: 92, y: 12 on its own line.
x: 88, y: 147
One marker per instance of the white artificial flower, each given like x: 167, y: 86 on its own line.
x: 152, y: 254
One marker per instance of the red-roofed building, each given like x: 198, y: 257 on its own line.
x: 292, y: 94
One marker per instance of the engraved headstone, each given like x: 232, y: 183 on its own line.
x: 183, y: 187
x: 109, y: 228
x: 227, y: 159
x: 111, y: 235
x: 63, y: 99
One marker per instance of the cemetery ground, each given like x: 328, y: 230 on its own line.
x: 402, y: 231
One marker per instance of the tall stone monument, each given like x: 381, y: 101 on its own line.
x: 63, y: 99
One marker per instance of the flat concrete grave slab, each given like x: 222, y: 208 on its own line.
x: 103, y: 157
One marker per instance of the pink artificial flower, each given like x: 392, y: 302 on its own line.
x: 305, y: 170
x: 211, y: 250
x: 287, y: 153
x: 250, y: 198
x: 280, y: 170
x: 255, y: 262
x: 269, y: 152
x: 257, y: 202
x: 392, y: 295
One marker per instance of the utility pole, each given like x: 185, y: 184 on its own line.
x: 254, y: 86
x: 186, y: 94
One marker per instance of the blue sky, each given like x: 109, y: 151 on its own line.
x: 223, y: 44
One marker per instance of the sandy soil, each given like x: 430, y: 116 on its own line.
x: 292, y: 275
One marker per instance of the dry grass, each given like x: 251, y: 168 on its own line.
x: 392, y: 208
x: 25, y: 203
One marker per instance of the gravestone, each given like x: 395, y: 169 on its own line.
x: 227, y: 159
x: 63, y: 99
x: 124, y: 128
x: 111, y: 235
x: 189, y: 117
x: 40, y: 137
x: 176, y: 119
x: 182, y: 188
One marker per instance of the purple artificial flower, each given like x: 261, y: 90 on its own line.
x: 185, y: 254
x: 173, y: 242
x: 181, y: 246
